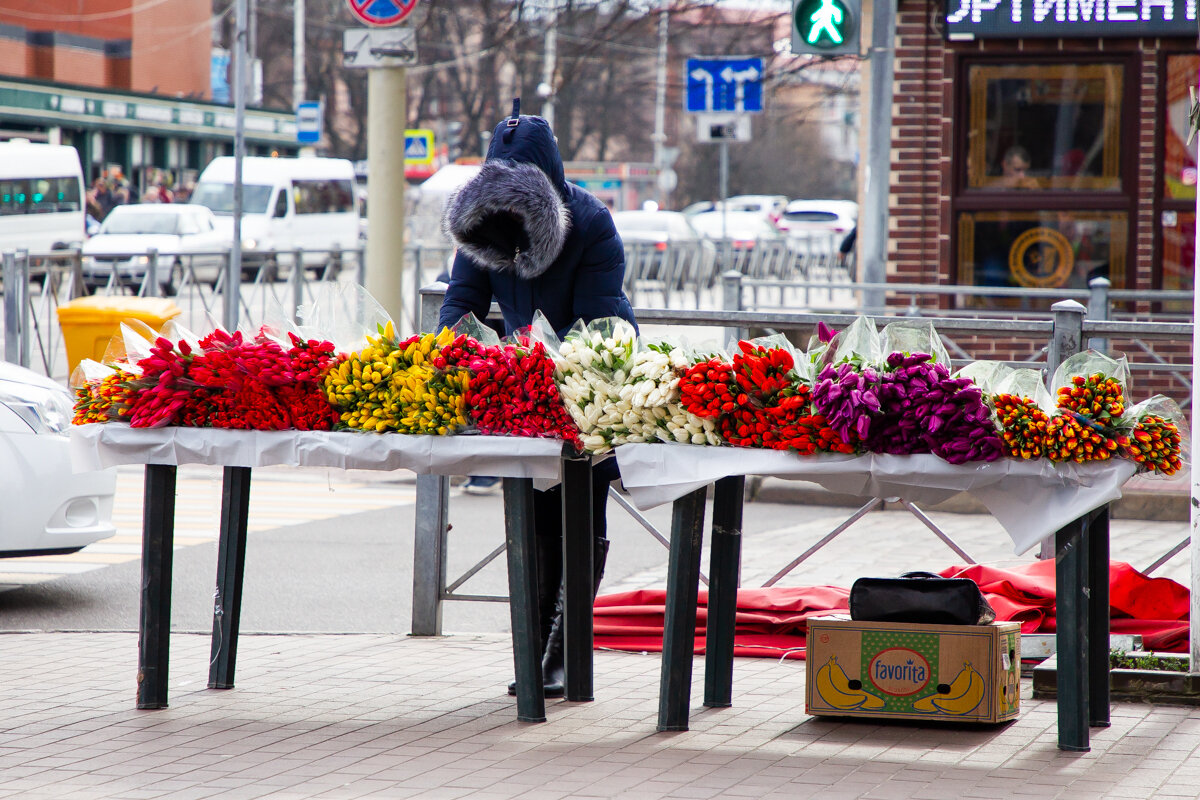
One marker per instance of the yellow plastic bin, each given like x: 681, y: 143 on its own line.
x: 88, y: 323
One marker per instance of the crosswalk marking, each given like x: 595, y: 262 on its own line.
x: 277, y: 499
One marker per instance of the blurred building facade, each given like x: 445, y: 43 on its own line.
x: 128, y: 83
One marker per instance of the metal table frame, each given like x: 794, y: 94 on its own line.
x: 158, y: 526
x: 1081, y: 554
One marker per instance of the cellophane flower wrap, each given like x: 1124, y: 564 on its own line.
x: 1089, y: 390
x: 620, y: 390
x: 1158, y: 437
x: 411, y: 385
x: 512, y: 391
x: 1023, y: 409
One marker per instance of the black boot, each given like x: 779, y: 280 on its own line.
x: 553, y: 669
x: 548, y: 553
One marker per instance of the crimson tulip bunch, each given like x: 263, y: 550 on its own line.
x: 512, y: 393
x: 758, y: 401
x: 227, y: 382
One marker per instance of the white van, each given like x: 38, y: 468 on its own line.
x: 287, y: 204
x: 41, y: 197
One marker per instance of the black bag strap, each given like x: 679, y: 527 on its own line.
x: 920, y: 574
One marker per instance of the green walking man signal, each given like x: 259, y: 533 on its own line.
x: 825, y: 27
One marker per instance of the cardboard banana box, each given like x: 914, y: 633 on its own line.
x: 952, y: 673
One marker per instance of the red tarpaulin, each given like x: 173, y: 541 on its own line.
x: 772, y: 623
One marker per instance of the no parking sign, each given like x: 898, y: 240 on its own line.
x: 381, y: 13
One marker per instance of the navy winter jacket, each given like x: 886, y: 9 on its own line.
x: 531, y: 240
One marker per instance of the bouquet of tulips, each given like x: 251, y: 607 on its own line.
x: 619, y: 389
x: 1157, y: 441
x: 757, y: 398
x: 223, y: 380
x: 1020, y: 400
x: 412, y: 385
x: 511, y: 391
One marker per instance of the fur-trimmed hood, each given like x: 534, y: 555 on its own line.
x: 509, y: 218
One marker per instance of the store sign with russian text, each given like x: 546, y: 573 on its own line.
x: 1027, y: 19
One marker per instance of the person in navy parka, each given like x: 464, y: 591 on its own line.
x: 533, y: 242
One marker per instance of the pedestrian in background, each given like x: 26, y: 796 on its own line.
x: 534, y: 242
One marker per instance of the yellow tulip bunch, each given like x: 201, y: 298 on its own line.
x: 400, y: 386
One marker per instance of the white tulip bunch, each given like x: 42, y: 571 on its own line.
x: 619, y: 392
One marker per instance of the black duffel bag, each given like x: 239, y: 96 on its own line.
x: 920, y: 597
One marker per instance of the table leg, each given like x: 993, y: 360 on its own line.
x: 429, y: 554
x: 724, y: 572
x: 522, y: 598
x: 1098, y: 611
x: 1071, y: 611
x: 231, y: 567
x: 158, y: 539
x: 679, y: 623
x: 578, y: 581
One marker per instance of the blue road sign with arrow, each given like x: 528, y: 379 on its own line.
x: 724, y: 84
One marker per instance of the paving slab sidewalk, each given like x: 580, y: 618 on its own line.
x: 385, y: 716
x: 326, y: 716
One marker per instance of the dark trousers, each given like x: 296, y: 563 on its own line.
x: 547, y: 525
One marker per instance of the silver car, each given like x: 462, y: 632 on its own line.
x: 184, y: 236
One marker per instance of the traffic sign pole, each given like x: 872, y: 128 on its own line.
x: 387, y: 102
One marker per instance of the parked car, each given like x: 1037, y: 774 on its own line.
x: 818, y: 221
x: 48, y: 508
x: 669, y: 233
x: 769, y: 205
x: 183, y: 234
x: 742, y: 229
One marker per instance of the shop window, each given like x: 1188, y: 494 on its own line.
x: 1042, y: 249
x: 1044, y: 127
x: 1178, y: 255
x: 1179, y: 158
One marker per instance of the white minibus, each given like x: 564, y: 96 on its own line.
x: 41, y: 197
x: 305, y: 203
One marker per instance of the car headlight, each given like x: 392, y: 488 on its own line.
x: 140, y: 261
x: 45, y: 410
x: 249, y: 244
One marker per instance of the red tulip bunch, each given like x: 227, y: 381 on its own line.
x: 512, y: 393
x: 227, y: 383
x: 758, y: 401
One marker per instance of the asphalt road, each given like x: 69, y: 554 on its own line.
x: 349, y: 573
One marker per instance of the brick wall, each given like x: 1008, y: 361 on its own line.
x: 15, y: 57
x: 172, y: 44
x: 80, y: 66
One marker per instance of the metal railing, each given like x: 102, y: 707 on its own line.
x: 1061, y: 336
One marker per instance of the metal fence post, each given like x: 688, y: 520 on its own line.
x: 12, y: 310
x: 151, y: 287
x: 418, y: 307
x: 1099, y: 307
x: 731, y: 299
x: 25, y: 357
x: 432, y: 511
x: 1065, y: 341
x: 77, y: 288
x: 362, y: 265
x: 297, y: 284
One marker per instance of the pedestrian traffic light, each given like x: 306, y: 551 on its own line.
x: 825, y: 27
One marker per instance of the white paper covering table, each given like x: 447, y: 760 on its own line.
x: 97, y: 446
x: 518, y: 460
x: 1032, y: 500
